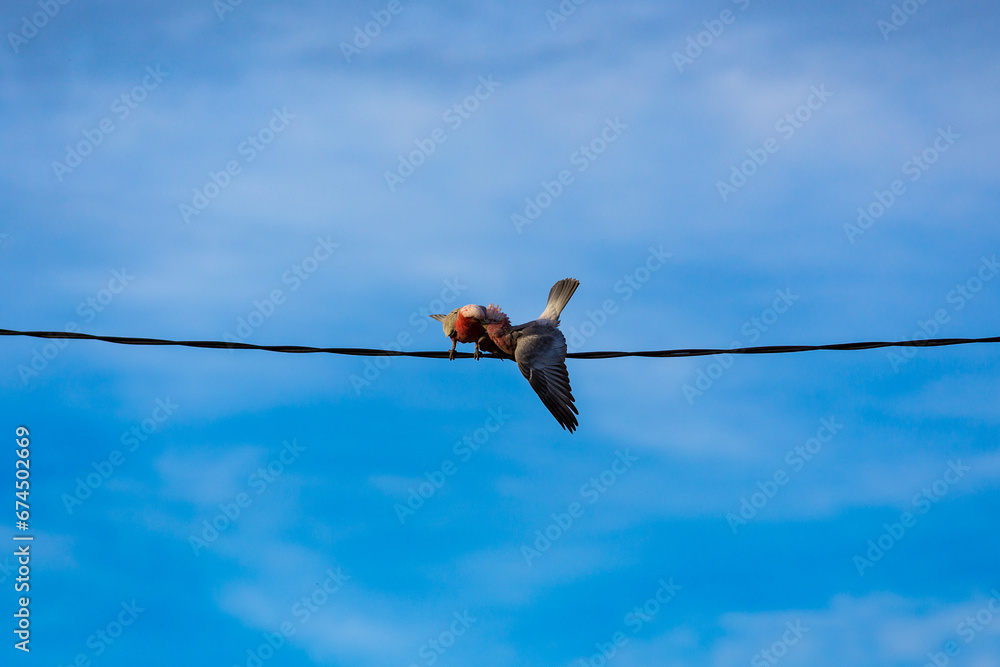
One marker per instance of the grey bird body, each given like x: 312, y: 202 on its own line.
x: 539, y: 348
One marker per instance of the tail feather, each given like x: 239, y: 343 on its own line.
x: 559, y: 296
x: 447, y: 322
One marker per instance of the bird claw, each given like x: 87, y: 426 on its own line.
x: 451, y: 354
x: 477, y: 354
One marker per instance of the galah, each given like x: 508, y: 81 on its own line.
x: 463, y: 325
x: 539, y: 349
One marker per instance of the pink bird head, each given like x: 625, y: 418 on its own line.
x: 494, y: 315
x: 473, y: 312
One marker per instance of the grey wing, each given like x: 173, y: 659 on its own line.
x: 447, y: 322
x: 541, y: 356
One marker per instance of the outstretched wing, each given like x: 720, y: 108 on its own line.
x: 541, y: 356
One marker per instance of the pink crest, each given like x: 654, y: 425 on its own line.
x: 494, y: 314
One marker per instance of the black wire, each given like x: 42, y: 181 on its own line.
x: 366, y: 352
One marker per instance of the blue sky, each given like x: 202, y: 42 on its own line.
x: 229, y: 179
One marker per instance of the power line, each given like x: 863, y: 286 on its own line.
x: 367, y: 352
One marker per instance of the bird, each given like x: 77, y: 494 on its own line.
x: 539, y: 348
x: 463, y: 325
